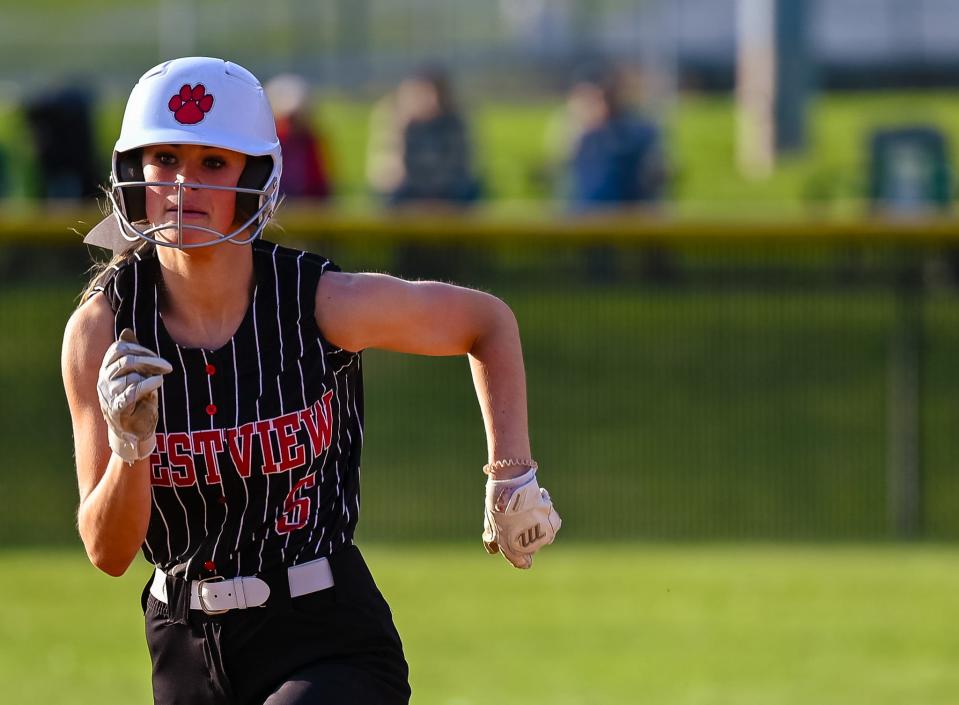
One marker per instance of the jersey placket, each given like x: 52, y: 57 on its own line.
x: 209, y: 371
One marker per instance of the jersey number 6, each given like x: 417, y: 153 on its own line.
x: 296, y: 510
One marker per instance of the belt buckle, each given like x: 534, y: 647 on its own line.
x: 199, y: 594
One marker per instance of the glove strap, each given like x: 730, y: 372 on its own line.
x: 499, y: 492
x: 129, y: 448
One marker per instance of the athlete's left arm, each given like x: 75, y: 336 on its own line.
x: 359, y: 311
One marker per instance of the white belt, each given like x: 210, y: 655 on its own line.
x: 217, y: 595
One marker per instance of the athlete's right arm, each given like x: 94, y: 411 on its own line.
x: 115, y: 497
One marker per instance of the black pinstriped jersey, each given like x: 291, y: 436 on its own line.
x: 257, y: 462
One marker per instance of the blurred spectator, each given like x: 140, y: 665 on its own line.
x: 614, y: 159
x: 306, y: 172
x: 60, y: 124
x: 615, y: 154
x: 420, y: 148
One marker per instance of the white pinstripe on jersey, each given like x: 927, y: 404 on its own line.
x: 189, y: 430
x: 156, y: 343
x: 176, y: 558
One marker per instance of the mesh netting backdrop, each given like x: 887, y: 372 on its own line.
x: 696, y: 392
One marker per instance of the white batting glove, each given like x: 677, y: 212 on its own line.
x: 127, y: 386
x: 519, y: 520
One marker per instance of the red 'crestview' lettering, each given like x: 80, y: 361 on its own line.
x: 174, y: 462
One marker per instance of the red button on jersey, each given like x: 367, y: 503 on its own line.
x: 221, y: 499
x: 211, y: 409
x: 209, y: 565
x: 210, y: 370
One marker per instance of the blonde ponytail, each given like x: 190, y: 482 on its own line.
x: 100, y: 272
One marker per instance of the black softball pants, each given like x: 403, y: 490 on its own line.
x: 334, y: 647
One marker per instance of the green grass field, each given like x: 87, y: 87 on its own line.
x: 591, y: 624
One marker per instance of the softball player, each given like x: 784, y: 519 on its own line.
x: 214, y: 383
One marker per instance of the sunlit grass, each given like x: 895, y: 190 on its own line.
x: 590, y: 624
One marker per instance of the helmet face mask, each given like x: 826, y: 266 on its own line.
x: 142, y: 229
x: 197, y: 101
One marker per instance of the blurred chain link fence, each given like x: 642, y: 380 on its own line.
x: 696, y: 392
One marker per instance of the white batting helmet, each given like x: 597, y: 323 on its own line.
x: 201, y: 101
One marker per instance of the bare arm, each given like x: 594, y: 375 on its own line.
x: 359, y: 311
x: 115, y: 499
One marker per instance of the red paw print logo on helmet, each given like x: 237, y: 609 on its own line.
x: 191, y: 105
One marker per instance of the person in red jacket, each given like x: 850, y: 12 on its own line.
x: 306, y: 172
